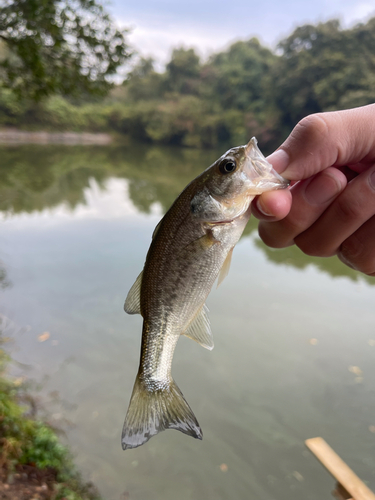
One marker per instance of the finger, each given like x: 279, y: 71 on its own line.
x: 272, y: 205
x: 310, y: 198
x: 358, y: 251
x: 352, y: 208
x: 326, y: 139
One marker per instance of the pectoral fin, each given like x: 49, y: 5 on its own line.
x: 196, y: 247
x: 133, y: 300
x: 200, y: 329
x: 225, y: 267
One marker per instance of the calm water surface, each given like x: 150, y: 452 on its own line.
x: 294, y: 336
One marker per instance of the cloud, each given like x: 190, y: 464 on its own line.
x: 159, y: 43
x: 359, y: 12
x: 209, y: 26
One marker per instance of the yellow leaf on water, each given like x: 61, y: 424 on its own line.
x: 43, y: 337
x: 224, y: 468
x: 356, y: 370
x: 18, y: 381
x: 298, y: 476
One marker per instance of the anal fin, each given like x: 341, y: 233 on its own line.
x: 199, y: 329
x: 133, y: 300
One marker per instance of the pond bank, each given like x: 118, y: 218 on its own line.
x: 33, y: 462
x: 15, y: 136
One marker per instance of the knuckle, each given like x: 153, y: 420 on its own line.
x: 363, y: 266
x: 271, y: 236
x: 313, y: 247
x: 349, y: 210
x: 313, y: 126
x: 296, y: 224
x: 353, y: 253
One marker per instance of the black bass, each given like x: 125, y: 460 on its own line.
x: 191, y: 246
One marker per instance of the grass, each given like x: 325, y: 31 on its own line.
x: 33, y: 461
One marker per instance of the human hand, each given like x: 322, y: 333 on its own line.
x: 331, y: 208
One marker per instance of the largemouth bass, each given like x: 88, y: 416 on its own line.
x: 191, y: 246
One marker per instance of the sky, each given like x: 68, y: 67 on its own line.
x: 158, y: 26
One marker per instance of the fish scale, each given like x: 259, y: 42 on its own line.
x: 191, y: 246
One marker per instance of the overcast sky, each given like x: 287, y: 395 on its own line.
x: 210, y: 25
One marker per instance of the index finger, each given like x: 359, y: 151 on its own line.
x: 323, y: 140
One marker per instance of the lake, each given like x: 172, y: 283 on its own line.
x: 294, y: 354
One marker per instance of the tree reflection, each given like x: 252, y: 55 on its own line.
x: 293, y: 256
x: 33, y: 178
x: 4, y: 281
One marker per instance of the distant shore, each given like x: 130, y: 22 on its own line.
x: 15, y: 136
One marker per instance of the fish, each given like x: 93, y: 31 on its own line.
x: 191, y: 247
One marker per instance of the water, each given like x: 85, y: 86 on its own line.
x: 294, y: 353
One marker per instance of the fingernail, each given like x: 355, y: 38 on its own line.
x: 261, y: 209
x: 279, y: 160
x: 321, y: 189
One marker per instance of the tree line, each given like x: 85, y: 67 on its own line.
x: 244, y: 90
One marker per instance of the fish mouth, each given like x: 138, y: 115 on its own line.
x: 261, y: 172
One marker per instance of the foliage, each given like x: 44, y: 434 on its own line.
x: 182, y: 72
x: 243, y: 91
x: 240, y: 75
x: 144, y: 83
x: 25, y: 441
x: 324, y: 67
x: 65, y: 46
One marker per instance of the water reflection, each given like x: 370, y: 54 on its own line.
x: 287, y: 335
x: 4, y: 282
x: 33, y: 178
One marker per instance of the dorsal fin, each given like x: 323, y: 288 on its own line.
x: 156, y: 229
x: 225, y: 267
x: 200, y: 329
x: 133, y: 300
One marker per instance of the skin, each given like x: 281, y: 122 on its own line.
x: 330, y: 208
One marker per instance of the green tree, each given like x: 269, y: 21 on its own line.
x: 323, y: 68
x: 240, y: 75
x: 182, y: 72
x: 65, y: 46
x: 143, y: 82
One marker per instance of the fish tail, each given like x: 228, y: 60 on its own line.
x: 152, y: 410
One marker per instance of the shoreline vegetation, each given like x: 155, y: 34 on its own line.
x: 33, y: 462
x: 246, y: 90
x: 9, y: 136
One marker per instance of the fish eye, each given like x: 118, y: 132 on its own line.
x: 228, y: 167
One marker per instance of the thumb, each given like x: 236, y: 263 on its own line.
x: 329, y: 139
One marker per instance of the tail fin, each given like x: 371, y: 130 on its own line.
x: 154, y: 410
